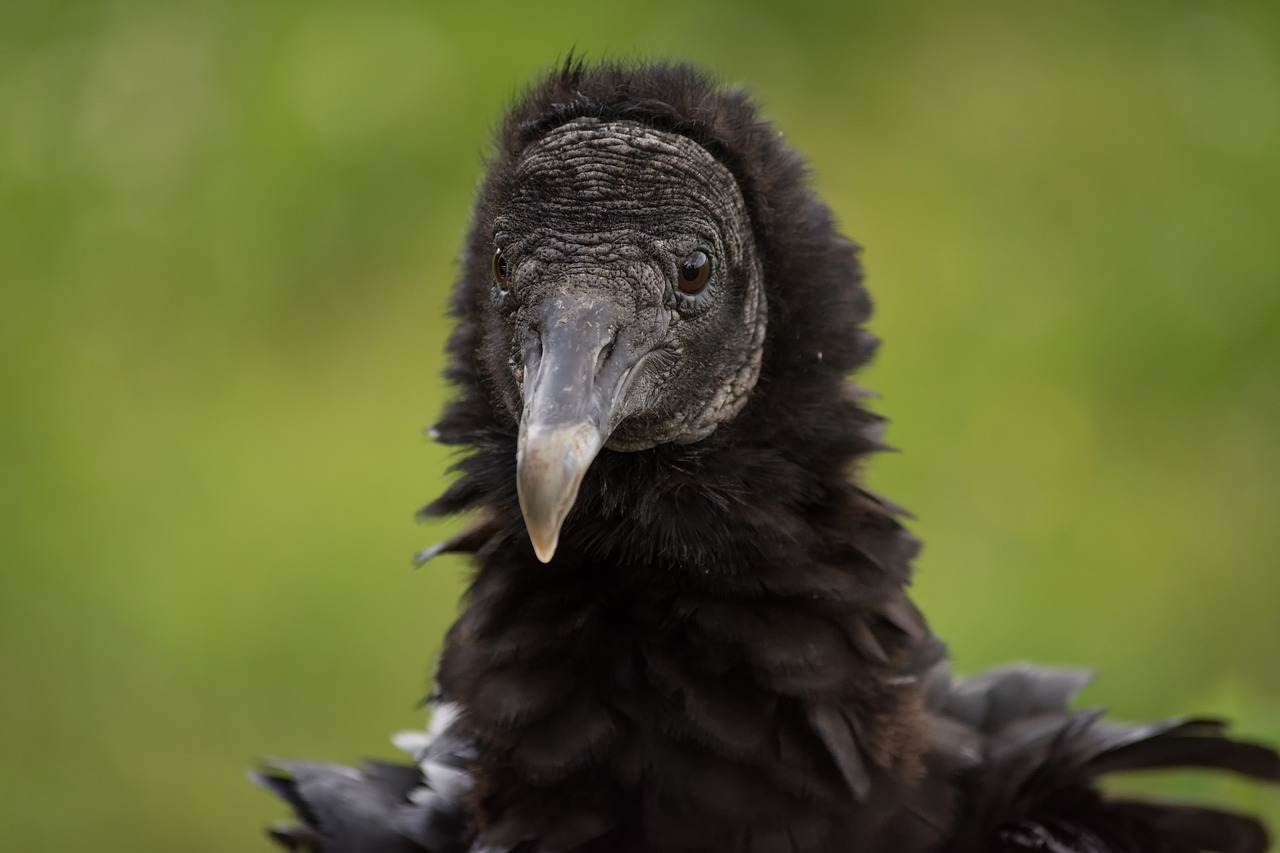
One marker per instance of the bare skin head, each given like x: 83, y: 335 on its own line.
x: 628, y: 291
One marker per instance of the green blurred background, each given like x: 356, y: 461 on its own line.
x: 227, y: 232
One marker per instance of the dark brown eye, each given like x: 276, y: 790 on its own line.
x: 694, y: 272
x: 500, y: 268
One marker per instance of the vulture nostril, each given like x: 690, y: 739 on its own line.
x: 527, y: 355
x: 605, y: 352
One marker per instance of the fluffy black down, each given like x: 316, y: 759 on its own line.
x: 722, y: 655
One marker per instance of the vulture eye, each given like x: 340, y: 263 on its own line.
x: 694, y: 272
x: 500, y: 268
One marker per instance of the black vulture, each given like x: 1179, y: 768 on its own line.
x: 687, y: 628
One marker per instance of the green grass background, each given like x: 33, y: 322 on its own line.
x: 227, y: 232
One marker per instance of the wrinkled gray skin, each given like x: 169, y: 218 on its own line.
x: 606, y: 349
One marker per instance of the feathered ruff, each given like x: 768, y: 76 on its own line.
x: 1025, y: 762
x: 722, y: 655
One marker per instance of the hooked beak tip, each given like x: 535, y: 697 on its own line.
x: 550, y: 465
x: 545, y: 547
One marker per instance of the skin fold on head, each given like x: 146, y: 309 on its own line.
x: 630, y: 303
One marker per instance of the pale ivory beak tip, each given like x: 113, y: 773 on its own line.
x: 550, y: 464
x: 545, y: 549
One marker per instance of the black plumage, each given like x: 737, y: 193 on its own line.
x: 656, y: 321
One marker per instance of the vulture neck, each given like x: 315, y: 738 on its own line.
x: 721, y: 647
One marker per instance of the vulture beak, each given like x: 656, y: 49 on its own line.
x: 575, y: 381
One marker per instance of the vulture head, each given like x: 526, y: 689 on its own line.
x: 628, y: 305
x: 644, y: 266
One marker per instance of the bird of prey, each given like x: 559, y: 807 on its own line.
x: 688, y: 629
